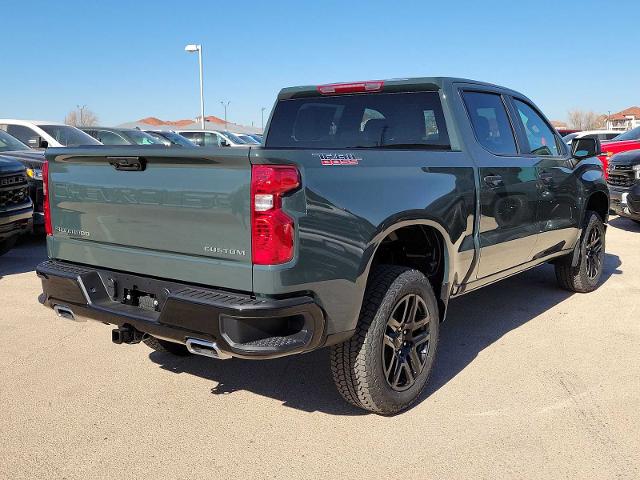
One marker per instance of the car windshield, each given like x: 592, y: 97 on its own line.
x: 568, y: 138
x: 69, y: 136
x: 178, y: 139
x: 10, y: 144
x: 142, y: 138
x: 374, y: 120
x: 630, y: 135
x: 249, y: 139
x: 234, y: 138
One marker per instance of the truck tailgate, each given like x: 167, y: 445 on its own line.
x: 164, y: 212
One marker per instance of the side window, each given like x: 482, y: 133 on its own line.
x: 24, y: 134
x: 211, y: 140
x: 195, y: 137
x: 490, y: 122
x: 541, y: 139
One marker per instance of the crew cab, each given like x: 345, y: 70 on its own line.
x: 42, y: 134
x: 624, y: 184
x: 367, y: 209
x: 16, y: 208
x: 625, y: 141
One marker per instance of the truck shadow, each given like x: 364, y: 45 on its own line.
x: 24, y: 257
x: 625, y: 224
x: 474, y: 322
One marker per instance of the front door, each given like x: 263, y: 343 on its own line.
x: 508, y: 186
x: 558, y: 211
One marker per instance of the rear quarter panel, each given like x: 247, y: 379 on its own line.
x: 344, y: 212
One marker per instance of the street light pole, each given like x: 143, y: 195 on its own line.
x: 81, y: 109
x: 198, y: 48
x: 225, y: 105
x: 262, y: 117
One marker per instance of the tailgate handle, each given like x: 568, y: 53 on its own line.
x: 128, y: 164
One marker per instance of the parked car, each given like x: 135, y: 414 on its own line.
x: 602, y: 135
x: 213, y: 138
x: 624, y: 184
x: 121, y: 136
x: 368, y: 208
x: 566, y: 131
x: 625, y: 141
x: 33, y: 160
x: 16, y: 208
x: 248, y: 139
x: 257, y: 137
x: 43, y: 134
x: 170, y: 138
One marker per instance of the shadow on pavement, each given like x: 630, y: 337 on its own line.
x: 24, y: 257
x: 474, y: 322
x: 625, y: 224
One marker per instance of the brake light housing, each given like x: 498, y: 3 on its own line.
x: 47, y: 205
x: 272, y: 230
x: 352, y: 87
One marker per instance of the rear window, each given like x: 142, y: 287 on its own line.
x: 373, y: 120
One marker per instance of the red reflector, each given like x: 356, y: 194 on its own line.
x: 354, y: 87
x: 47, y: 205
x: 272, y: 230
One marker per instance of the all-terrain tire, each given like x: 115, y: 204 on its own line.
x: 357, y: 364
x: 578, y: 279
x: 166, y: 347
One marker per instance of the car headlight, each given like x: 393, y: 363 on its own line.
x: 35, y: 174
x: 636, y: 168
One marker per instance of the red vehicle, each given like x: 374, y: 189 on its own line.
x: 625, y: 141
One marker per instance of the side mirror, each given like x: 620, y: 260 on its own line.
x: 582, y: 148
x: 43, y: 143
x: 224, y: 143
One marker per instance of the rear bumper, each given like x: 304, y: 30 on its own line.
x: 241, y: 326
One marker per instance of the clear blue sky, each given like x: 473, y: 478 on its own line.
x: 126, y: 60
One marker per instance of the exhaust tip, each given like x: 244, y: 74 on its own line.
x: 205, y: 348
x: 66, y: 312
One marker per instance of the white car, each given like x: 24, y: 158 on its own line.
x: 213, y: 138
x: 43, y: 134
x: 601, y: 135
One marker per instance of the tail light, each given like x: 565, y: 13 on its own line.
x: 47, y: 206
x: 272, y: 230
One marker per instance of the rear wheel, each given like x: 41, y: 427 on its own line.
x: 166, y: 347
x: 585, y: 276
x: 385, y: 365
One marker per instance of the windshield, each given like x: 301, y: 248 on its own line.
x: 178, y: 139
x: 371, y: 120
x: 69, y: 136
x: 10, y: 144
x: 234, y: 138
x: 630, y: 135
x: 142, y: 138
x: 249, y: 139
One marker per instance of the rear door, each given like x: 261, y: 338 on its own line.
x: 508, y: 184
x: 558, y: 212
x: 182, y: 215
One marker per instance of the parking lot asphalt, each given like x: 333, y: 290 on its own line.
x: 530, y: 382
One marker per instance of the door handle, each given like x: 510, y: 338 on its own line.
x: 128, y: 164
x: 494, y: 181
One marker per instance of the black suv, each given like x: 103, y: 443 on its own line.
x: 16, y: 208
x: 624, y: 184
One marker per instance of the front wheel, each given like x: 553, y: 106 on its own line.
x: 385, y: 365
x: 585, y: 276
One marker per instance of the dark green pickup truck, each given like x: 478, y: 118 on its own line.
x: 369, y: 206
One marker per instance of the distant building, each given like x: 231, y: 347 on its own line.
x: 211, y: 123
x: 624, y: 120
